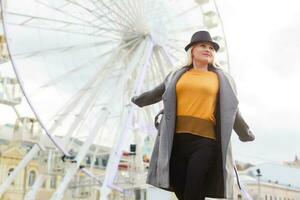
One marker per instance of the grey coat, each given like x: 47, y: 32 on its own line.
x: 228, y: 117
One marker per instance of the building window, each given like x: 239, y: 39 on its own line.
x: 88, y: 160
x: 270, y: 197
x: 53, y: 181
x: 266, y: 197
x: 9, y: 172
x: 97, y: 161
x: 31, y: 179
x: 44, y: 184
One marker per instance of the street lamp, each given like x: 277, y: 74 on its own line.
x: 258, y: 181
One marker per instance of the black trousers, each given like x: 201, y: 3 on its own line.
x: 191, y: 159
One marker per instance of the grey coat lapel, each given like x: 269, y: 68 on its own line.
x: 168, y: 123
x: 228, y: 108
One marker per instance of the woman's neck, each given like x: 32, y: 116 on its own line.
x: 200, y: 65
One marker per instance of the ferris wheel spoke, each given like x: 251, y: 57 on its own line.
x: 127, y: 6
x: 67, y: 74
x: 84, y: 65
x: 177, y: 40
x: 105, y: 22
x: 66, y: 13
x: 84, y: 8
x: 132, y: 8
x: 187, y: 29
x: 101, y: 32
x: 173, y: 56
x: 163, y: 51
x: 95, y: 14
x: 115, y: 21
x: 29, y: 18
x: 128, y: 9
x: 178, y: 50
x: 118, y: 16
x: 60, y: 25
x: 155, y: 9
x: 159, y: 63
x: 187, y: 11
x: 76, y: 32
x: 153, y: 80
x: 157, y: 69
x: 91, y: 23
x: 63, y: 49
x: 139, y: 7
x: 128, y: 15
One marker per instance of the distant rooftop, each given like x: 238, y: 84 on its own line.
x: 279, y: 173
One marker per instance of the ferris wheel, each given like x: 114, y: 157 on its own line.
x: 79, y: 62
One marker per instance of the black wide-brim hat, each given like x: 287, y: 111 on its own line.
x: 202, y: 36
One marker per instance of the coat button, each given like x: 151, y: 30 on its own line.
x: 168, y: 117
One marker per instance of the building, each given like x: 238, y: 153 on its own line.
x: 49, y: 163
x: 271, y: 181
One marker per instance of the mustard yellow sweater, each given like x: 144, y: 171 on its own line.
x: 196, y: 93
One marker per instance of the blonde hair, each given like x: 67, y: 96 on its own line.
x: 189, y: 59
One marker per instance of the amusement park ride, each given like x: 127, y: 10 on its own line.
x: 76, y: 65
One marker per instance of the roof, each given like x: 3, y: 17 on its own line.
x: 278, y: 173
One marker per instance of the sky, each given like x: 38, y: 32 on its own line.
x: 263, y: 43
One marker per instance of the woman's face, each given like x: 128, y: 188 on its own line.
x: 203, y: 52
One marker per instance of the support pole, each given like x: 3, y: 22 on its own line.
x: 28, y: 157
x: 37, y: 184
x: 112, y: 166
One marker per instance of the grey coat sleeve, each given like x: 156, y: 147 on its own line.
x: 240, y: 126
x: 150, y: 97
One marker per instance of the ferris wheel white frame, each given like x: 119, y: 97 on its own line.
x: 143, y: 51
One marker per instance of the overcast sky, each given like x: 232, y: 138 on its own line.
x: 264, y: 46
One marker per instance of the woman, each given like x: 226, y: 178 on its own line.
x: 192, y: 153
